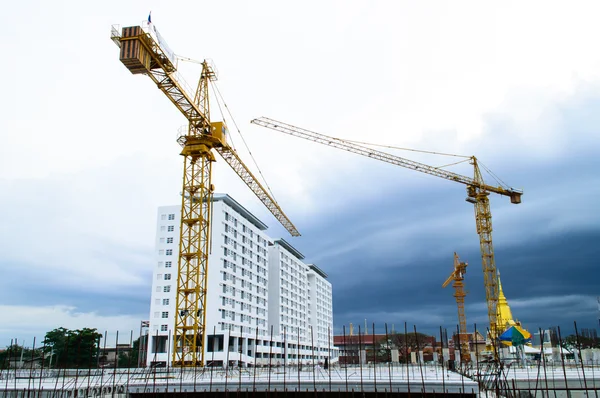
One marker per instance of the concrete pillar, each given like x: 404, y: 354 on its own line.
x: 576, y: 355
x: 435, y: 357
x: 413, y: 357
x: 473, y: 357
x: 395, y: 355
x: 445, y: 354
x: 244, y: 346
x: 421, y: 357
x: 363, y: 356
x: 236, y: 344
x: 586, y: 355
x: 556, y: 355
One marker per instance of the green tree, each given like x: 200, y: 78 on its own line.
x: 66, y: 348
x: 404, y: 343
x: 570, y: 342
x: 130, y: 358
x: 14, y: 353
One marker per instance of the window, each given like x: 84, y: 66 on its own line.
x: 160, y: 264
x: 165, y: 301
x: 168, y: 264
x: 162, y: 228
x: 161, y: 252
x: 161, y: 240
x: 158, y: 276
x: 171, y: 216
x: 163, y: 216
x: 167, y: 288
x: 164, y: 328
x: 170, y: 228
x: 169, y: 252
x: 165, y: 314
x: 169, y: 240
x: 167, y: 277
x: 157, y: 289
x: 156, y: 314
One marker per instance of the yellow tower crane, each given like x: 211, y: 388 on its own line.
x: 477, y: 194
x: 144, y: 51
x: 460, y: 269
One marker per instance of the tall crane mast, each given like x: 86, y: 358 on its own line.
x: 457, y: 276
x: 144, y: 51
x: 477, y: 194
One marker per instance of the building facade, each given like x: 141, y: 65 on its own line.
x: 259, y: 293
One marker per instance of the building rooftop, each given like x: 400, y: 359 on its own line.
x: 318, y: 270
x: 290, y: 248
x: 228, y: 200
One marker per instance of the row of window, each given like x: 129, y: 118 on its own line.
x: 248, y: 263
x: 245, y: 250
x: 166, y: 277
x: 168, y: 228
x: 165, y: 289
x: 243, y: 329
x: 294, y: 296
x: 245, y: 229
x: 163, y: 301
x: 243, y: 306
x: 169, y: 217
x: 242, y: 317
x: 244, y: 283
x: 243, y: 294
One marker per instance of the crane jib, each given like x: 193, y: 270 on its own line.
x: 477, y: 194
x: 515, y: 195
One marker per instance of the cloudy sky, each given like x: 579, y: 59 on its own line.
x: 88, y: 152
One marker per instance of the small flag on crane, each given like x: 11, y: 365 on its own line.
x: 150, y: 17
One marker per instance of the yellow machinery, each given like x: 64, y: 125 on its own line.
x: 457, y: 276
x: 144, y: 51
x: 477, y: 194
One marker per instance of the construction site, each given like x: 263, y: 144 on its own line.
x: 276, y: 336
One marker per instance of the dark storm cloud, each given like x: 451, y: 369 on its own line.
x: 388, y: 254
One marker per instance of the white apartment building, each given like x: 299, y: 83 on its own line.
x: 297, y: 307
x: 249, y: 318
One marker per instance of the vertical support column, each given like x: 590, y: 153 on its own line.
x: 483, y: 218
x: 190, y: 316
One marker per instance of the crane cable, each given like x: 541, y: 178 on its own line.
x: 494, y: 176
x: 223, y: 117
x: 406, y: 149
x: 453, y: 164
x: 467, y: 158
x: 220, y: 96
